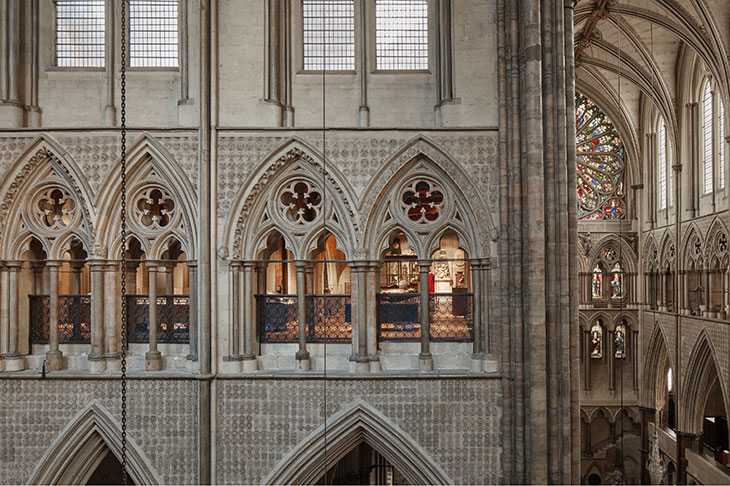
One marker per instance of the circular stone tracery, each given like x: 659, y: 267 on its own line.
x: 154, y: 208
x: 301, y: 203
x: 599, y: 162
x: 54, y: 208
x: 423, y: 202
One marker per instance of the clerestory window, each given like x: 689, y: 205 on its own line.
x: 401, y: 34
x: 328, y: 35
x: 707, y: 138
x: 80, y: 32
x: 153, y: 33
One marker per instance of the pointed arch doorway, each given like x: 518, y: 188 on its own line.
x: 357, y: 441
x: 87, y: 451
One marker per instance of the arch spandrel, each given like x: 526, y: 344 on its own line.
x: 44, y: 165
x: 257, y: 207
x: 360, y: 422
x: 84, y: 441
x: 468, y: 213
x: 149, y: 165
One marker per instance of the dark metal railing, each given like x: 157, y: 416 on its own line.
x: 452, y: 318
x: 399, y: 317
x: 74, y: 319
x: 329, y: 318
x: 173, y: 319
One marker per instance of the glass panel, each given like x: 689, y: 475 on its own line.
x: 329, y: 35
x: 80, y: 33
x: 401, y: 34
x: 153, y: 33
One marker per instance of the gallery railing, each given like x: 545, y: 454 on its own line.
x: 329, y: 318
x: 399, y: 317
x: 452, y: 318
x: 74, y: 319
x: 173, y: 319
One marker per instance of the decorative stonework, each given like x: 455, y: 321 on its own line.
x: 185, y: 151
x: 162, y: 420
x: 95, y: 155
x: 456, y: 421
x: 12, y: 148
x: 237, y: 158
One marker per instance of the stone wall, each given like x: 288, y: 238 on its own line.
x: 162, y: 421
x: 456, y: 420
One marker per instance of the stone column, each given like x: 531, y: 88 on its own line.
x: 97, y: 360
x: 304, y: 362
x: 610, y: 356
x: 250, y: 363
x: 476, y: 284
x: 706, y: 296
x: 236, y: 304
x: 76, y: 268
x: 3, y: 314
x: 485, y: 329
x: 373, y: 284
x: 11, y: 112
x: 38, y: 277
x: 425, y: 359
x: 168, y: 269
x: 112, y: 317
x: 587, y: 360
x: 153, y: 358
x: 54, y: 356
x: 193, y: 310
x: 358, y: 270
x: 34, y: 110
x: 110, y: 112
x: 14, y: 361
x: 131, y: 277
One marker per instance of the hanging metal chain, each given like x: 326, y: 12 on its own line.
x: 124, y: 238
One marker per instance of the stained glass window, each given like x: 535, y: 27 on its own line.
x: 597, y: 340
x: 619, y: 341
x: 597, y: 282
x: 599, y: 160
x: 617, y: 286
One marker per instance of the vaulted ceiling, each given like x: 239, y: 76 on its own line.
x: 645, y: 41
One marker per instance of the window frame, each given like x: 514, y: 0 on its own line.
x: 703, y: 132
x: 297, y: 56
x: 431, y: 41
x: 181, y: 20
x: 54, y: 66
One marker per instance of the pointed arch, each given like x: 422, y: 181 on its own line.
x: 421, y: 156
x: 254, y: 201
x: 668, y: 251
x: 692, y: 233
x: 44, y: 162
x: 82, y: 445
x: 656, y: 352
x: 717, y: 230
x: 699, y: 375
x: 148, y: 161
x: 628, y: 255
x: 361, y: 422
x: 650, y: 253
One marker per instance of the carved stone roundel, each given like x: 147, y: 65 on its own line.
x: 154, y: 208
x: 423, y: 202
x: 300, y: 202
x: 54, y: 208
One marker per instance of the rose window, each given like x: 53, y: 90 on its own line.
x: 55, y: 208
x: 599, y: 161
x: 155, y: 208
x: 423, y: 203
x: 300, y: 202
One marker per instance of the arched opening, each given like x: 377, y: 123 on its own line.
x: 715, y: 424
x: 109, y: 471
x: 362, y: 465
x: 399, y: 308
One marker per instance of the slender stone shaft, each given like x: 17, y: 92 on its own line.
x: 54, y: 356
x: 425, y: 360
x: 153, y: 358
x: 96, y: 357
x: 302, y: 356
x: 193, y: 319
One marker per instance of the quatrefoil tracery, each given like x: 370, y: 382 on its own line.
x: 154, y: 208
x: 423, y: 202
x: 301, y: 202
x: 54, y: 208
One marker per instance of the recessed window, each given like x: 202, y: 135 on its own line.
x: 401, y: 34
x: 707, y: 137
x: 153, y: 33
x: 722, y: 142
x: 329, y: 35
x: 80, y: 33
x: 662, y: 146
